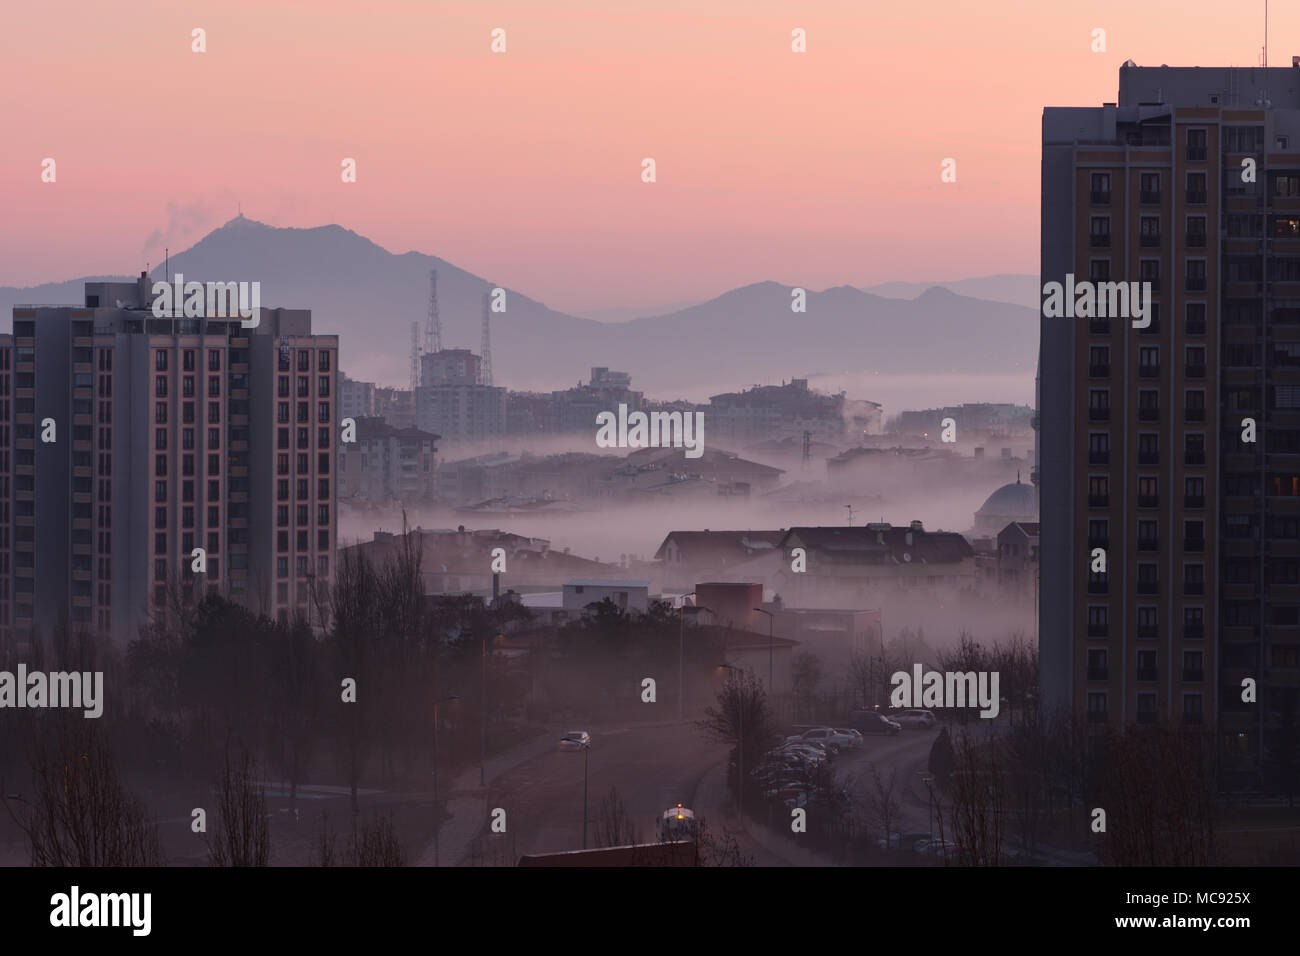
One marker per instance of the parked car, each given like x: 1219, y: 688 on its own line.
x: 905, y: 841
x: 806, y: 753
x: 855, y: 736
x: 871, y: 722
x: 830, y: 738
x: 916, y: 719
x: 575, y: 740
x: 941, y: 848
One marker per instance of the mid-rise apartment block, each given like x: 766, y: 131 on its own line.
x: 133, y: 441
x: 1189, y: 182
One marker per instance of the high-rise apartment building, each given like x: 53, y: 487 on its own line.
x: 450, y: 401
x: 1189, y: 182
x: 133, y: 440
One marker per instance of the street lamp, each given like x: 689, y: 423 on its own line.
x: 771, y: 618
x: 681, y: 648
x: 928, y: 780
x: 437, y: 823
x: 740, y: 745
x: 586, y: 749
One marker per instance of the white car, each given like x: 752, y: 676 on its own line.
x: 575, y: 740
x: 855, y: 737
x: 806, y: 752
x: 830, y: 738
x: 916, y: 719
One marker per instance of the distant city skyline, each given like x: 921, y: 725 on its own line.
x: 526, y: 165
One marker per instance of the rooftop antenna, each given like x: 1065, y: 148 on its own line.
x: 485, y: 365
x: 1266, y: 34
x: 433, y: 327
x: 850, y: 507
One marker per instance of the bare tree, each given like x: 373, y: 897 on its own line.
x: 884, y: 803
x: 243, y: 836
x: 375, y: 843
x: 81, y: 814
x: 977, y: 802
x: 614, y: 827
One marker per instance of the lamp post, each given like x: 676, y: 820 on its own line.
x: 437, y: 823
x: 771, y: 619
x: 928, y: 780
x: 740, y: 745
x: 681, y: 648
x: 586, y: 749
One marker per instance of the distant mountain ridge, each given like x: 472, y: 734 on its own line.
x: 370, y: 297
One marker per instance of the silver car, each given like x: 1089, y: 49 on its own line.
x: 915, y: 719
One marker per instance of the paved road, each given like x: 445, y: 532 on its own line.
x: 904, y: 755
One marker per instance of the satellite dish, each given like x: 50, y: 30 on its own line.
x: 906, y: 556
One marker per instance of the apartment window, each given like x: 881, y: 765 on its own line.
x: 1196, y: 276
x: 301, y: 488
x: 1149, y: 361
x: 282, y: 439
x: 1194, y: 579
x: 304, y: 386
x: 214, y: 439
x: 323, y: 361
x: 323, y: 488
x: 1149, y: 232
x: 187, y: 413
x: 283, y: 388
x: 1148, y: 405
x: 187, y: 491
x: 160, y: 491
x: 160, y: 517
x: 1097, y: 664
x: 282, y: 516
x: 1149, y: 188
x: 1193, y: 623
x: 1196, y: 145
x: 1096, y: 707
x: 282, y: 490
x: 304, y: 361
x: 1100, y: 189
x: 1193, y: 535
x: 160, y: 413
x: 282, y: 412
x: 1195, y: 409
x: 1099, y: 405
x: 1098, y: 620
x: 323, y: 412
x: 1194, y: 492
x: 1099, y: 270
x: 214, y: 490
x: 1148, y: 621
x: 1148, y: 492
x: 160, y: 465
x: 1192, y: 709
x: 1149, y: 271
x: 1148, y: 535
x: 1148, y: 578
x: 214, y: 465
x: 187, y: 360
x: 322, y: 438
x: 323, y: 563
x: 214, y: 361
x: 322, y: 514
x: 160, y: 544
x: 187, y: 517
x: 1099, y: 361
x: 301, y: 541
x: 1197, y: 232
x: 300, y: 514
x: 300, y: 565
x: 214, y: 516
x: 282, y: 542
x: 1099, y: 448
x: 187, y: 386
x: 282, y: 567
x: 323, y: 539
x: 1147, y: 669
x: 323, y: 386
x: 1148, y: 448
x: 1196, y: 361
x: 282, y: 464
x: 303, y: 412
x: 1099, y: 232
x: 302, y: 464
x: 1098, y: 491
x: 160, y: 360
x: 214, y: 412
x: 323, y: 463
x: 160, y: 386
x: 1197, y: 194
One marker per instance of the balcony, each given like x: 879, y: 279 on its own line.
x: 1153, y: 326
x: 1148, y: 674
x: 1148, y: 501
x: 1196, y: 154
x: 1095, y: 542
x: 1148, y: 371
x: 1196, y: 284
x: 1099, y: 240
x: 1098, y: 457
x: 1099, y: 197
x: 1193, y: 632
x: 1098, y: 673
x: 1146, y: 718
x: 1197, y: 197
x: 1154, y: 280
x: 1099, y: 326
x: 1099, y: 414
x: 1098, y: 587
x: 1194, y: 545
x: 1193, y: 675
x: 1148, y: 587
x: 1193, y: 501
x: 1148, y: 457
x: 1097, y: 716
x: 1099, y: 501
x: 1194, y: 588
x: 1195, y: 240
x: 1099, y: 370
x: 1149, y: 544
x: 1149, y: 197
x: 1148, y: 414
x: 1194, y: 415
x: 1098, y: 630
x: 1149, y: 240
x: 1195, y: 371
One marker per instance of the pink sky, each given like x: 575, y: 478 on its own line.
x: 813, y: 169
